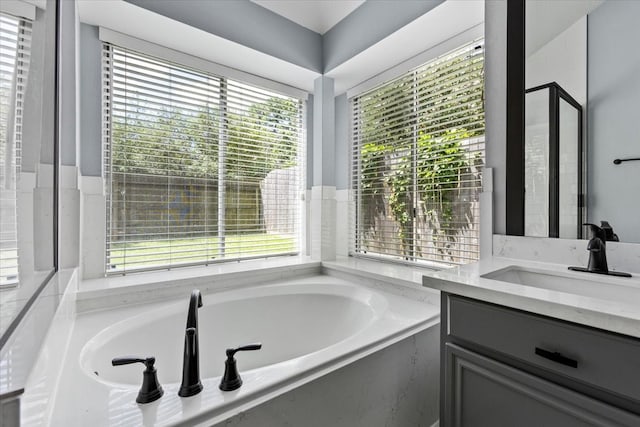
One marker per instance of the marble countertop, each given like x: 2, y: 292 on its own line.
x: 614, y: 313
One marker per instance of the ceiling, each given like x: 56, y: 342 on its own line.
x: 546, y: 19
x: 317, y: 15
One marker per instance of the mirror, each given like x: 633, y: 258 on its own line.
x: 582, y: 88
x: 28, y: 155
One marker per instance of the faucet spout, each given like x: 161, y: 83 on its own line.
x: 597, y: 256
x: 194, y: 304
x: 191, y: 383
x: 597, y: 248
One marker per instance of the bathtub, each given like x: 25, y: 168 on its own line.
x: 308, y: 328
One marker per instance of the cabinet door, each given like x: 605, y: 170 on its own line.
x: 482, y: 392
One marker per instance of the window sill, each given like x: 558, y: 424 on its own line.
x: 400, y: 279
x: 144, y: 287
x: 379, y: 269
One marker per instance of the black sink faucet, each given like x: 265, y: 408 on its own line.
x: 597, y: 248
x: 191, y: 383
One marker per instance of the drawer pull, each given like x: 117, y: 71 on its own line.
x: 556, y: 357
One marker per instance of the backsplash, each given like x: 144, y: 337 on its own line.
x: 620, y: 256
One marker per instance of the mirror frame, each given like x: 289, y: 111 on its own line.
x: 15, y: 322
x: 515, y: 159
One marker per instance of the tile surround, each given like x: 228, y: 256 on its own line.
x: 323, y: 222
x: 402, y: 392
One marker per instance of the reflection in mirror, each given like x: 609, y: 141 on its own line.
x: 27, y: 154
x: 553, y: 162
x: 588, y: 51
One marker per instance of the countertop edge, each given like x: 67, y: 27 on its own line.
x: 573, y: 313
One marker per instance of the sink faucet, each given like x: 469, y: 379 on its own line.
x: 191, y: 383
x: 597, y: 248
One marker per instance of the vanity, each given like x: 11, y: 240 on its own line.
x: 520, y: 354
x: 514, y: 352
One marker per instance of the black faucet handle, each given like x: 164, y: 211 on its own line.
x: 231, y: 378
x: 151, y: 389
x: 248, y: 347
x: 597, y: 231
x: 127, y: 360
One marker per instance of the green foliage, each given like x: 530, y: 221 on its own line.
x: 415, y: 166
x: 262, y: 139
x: 176, y: 142
x: 441, y: 162
x: 371, y: 178
x: 400, y: 184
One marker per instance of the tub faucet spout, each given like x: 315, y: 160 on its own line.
x: 194, y: 304
x: 191, y: 383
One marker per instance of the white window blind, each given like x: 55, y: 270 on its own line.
x: 200, y: 168
x: 15, y: 43
x: 418, y: 153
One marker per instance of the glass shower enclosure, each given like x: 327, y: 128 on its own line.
x: 554, y: 196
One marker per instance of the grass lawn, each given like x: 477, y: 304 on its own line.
x: 147, y: 253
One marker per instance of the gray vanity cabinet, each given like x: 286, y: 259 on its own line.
x: 493, y: 374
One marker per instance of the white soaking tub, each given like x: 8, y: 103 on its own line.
x: 308, y: 328
x: 290, y: 321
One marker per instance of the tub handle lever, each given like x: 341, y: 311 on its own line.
x: 151, y: 389
x: 231, y: 379
x: 232, y: 351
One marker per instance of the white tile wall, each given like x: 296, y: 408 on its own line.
x: 486, y: 214
x: 343, y: 222
x: 92, y: 225
x: 69, y: 231
x: 323, y: 223
x: 25, y: 222
x: 42, y: 227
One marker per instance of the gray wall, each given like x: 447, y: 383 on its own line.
x: 251, y: 25
x: 324, y: 168
x: 68, y: 87
x: 613, y: 116
x: 246, y: 23
x: 90, y: 101
x: 37, y: 136
x: 495, y: 78
x: 367, y: 25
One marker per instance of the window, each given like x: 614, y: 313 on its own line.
x: 418, y: 154
x: 199, y: 168
x: 15, y: 41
